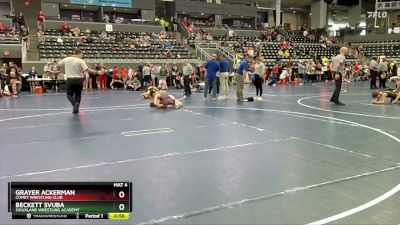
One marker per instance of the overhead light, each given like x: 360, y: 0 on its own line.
x: 115, y: 9
x: 183, y: 12
x: 84, y: 6
x: 241, y: 16
x: 65, y: 5
x: 202, y: 14
x: 294, y: 11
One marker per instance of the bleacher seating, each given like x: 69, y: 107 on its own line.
x: 7, y: 38
x: 390, y: 48
x: 107, y: 48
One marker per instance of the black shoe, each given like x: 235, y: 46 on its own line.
x: 339, y: 103
x: 76, y: 108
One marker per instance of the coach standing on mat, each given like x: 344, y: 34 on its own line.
x: 239, y: 77
x: 338, y: 71
x: 74, y: 68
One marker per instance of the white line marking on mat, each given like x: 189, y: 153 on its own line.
x: 146, y: 132
x: 222, y: 148
x: 346, y: 150
x: 229, y: 205
x: 329, y: 121
x: 350, y: 211
x: 68, y: 112
x: 342, y: 112
x: 359, y: 208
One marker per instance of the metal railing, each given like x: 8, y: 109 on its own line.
x: 202, y: 53
x: 227, y: 53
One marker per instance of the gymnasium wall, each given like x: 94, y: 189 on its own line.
x: 54, y: 24
x: 13, y: 49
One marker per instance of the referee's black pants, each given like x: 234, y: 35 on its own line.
x: 74, y: 90
x: 186, y: 83
x: 338, y: 87
x: 374, y: 74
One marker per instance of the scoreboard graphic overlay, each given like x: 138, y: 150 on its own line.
x: 70, y: 200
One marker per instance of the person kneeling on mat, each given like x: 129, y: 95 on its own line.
x: 163, y: 101
x: 379, y: 97
x: 147, y: 94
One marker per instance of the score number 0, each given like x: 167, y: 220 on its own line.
x: 121, y: 206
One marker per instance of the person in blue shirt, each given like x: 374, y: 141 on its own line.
x: 224, y: 77
x: 33, y: 73
x: 239, y: 77
x: 212, y: 68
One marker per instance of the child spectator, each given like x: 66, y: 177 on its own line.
x: 163, y: 83
x: 134, y: 84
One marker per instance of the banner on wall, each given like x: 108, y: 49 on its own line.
x: 112, y: 3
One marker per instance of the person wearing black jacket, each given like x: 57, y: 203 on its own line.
x: 373, y: 67
x: 20, y: 20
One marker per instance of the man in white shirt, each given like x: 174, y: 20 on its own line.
x: 338, y: 71
x: 147, y: 75
x: 187, y: 70
x: 74, y: 68
x: 373, y: 67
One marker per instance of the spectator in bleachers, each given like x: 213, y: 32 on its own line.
x: 168, y: 54
x: 24, y: 36
x: 20, y: 20
x: 106, y: 18
x: 209, y: 37
x: 76, y: 31
x: 175, y: 24
x: 40, y: 35
x: 14, y: 22
x: 186, y: 22
x: 3, y: 28
x: 87, y: 31
x: 40, y: 18
x: 286, y: 54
